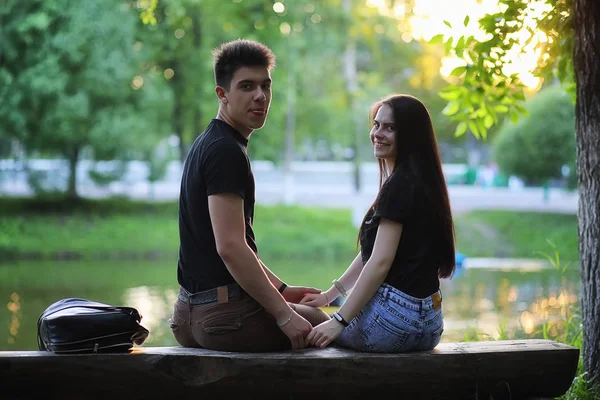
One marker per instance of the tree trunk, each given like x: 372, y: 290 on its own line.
x: 178, y: 124
x: 359, y: 206
x: 587, y: 76
x: 350, y: 73
x: 178, y: 94
x: 73, y: 158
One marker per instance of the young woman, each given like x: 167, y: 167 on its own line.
x: 406, y: 243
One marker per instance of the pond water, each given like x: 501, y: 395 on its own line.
x: 516, y: 301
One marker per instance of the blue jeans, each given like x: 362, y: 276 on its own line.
x: 394, y: 322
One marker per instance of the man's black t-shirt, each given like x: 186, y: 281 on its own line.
x: 414, y: 270
x: 217, y: 163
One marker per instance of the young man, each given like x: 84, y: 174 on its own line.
x: 229, y: 300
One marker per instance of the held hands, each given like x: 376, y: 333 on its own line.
x: 315, y: 300
x: 296, y: 329
x: 295, y: 294
x: 325, y: 333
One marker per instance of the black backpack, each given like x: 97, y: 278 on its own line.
x: 75, y: 325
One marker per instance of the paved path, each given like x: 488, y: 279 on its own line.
x: 506, y: 263
x: 339, y: 194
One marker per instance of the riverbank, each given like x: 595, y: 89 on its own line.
x: 123, y: 229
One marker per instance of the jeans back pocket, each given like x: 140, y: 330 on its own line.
x: 383, y: 336
x: 222, y: 324
x: 431, y: 338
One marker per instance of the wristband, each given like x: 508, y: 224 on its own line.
x: 282, y: 287
x: 340, y: 319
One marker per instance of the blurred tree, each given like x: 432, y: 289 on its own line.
x: 565, y: 33
x: 310, y: 95
x: 173, y: 44
x: 305, y: 38
x: 539, y: 145
x: 67, y: 80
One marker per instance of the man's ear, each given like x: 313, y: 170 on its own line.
x: 220, y: 91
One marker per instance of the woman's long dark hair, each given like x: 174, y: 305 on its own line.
x: 418, y: 158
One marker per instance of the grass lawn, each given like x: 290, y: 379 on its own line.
x: 517, y: 234
x: 125, y: 229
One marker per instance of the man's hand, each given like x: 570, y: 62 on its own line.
x: 296, y: 330
x: 294, y: 294
x: 315, y: 300
x: 324, y: 333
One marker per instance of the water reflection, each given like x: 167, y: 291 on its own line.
x: 155, y: 304
x: 479, y: 304
x: 501, y: 304
x: 14, y: 307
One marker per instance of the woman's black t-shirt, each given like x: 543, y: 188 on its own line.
x: 414, y: 270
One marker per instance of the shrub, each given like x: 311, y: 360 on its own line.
x: 539, y: 145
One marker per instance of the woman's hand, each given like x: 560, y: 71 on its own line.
x: 295, y: 294
x: 325, y: 333
x: 315, y: 300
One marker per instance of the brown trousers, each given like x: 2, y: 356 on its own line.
x: 240, y: 324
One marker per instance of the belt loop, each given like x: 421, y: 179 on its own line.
x: 436, y: 299
x: 222, y: 294
x: 186, y: 294
x: 386, y: 289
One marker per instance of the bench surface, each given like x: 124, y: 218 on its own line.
x: 473, y: 370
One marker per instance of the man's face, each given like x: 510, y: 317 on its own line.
x: 246, y: 103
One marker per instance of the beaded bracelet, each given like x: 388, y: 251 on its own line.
x: 339, y: 287
x: 326, y: 298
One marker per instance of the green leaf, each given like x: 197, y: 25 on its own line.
x: 561, y: 69
x: 451, y: 108
x: 501, y: 108
x: 520, y: 95
x: 449, y: 44
x: 458, y: 71
x: 475, y: 97
x: 473, y: 128
x: 488, y: 121
x: 480, y: 113
x: 481, y: 128
x: 460, y: 45
x: 466, y: 21
x: 493, y: 114
x: 448, y: 24
x: 461, y: 128
x: 437, y: 39
x: 450, y: 94
x: 469, y: 40
x: 521, y: 109
x: 514, y: 117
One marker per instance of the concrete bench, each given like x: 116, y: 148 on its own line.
x: 527, y: 368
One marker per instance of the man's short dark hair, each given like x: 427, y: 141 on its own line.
x: 231, y: 56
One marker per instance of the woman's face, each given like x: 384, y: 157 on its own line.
x: 383, y: 135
